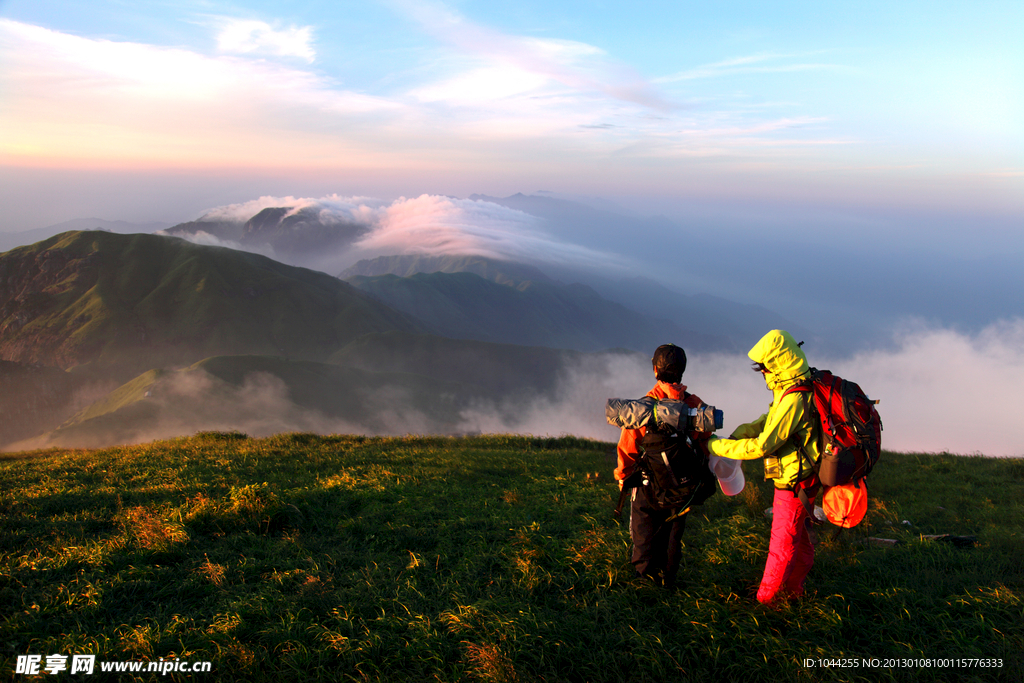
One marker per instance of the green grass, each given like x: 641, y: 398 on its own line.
x: 301, y: 557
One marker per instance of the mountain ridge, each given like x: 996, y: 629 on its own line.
x: 404, y: 265
x: 143, y: 301
x: 290, y: 234
x: 464, y: 305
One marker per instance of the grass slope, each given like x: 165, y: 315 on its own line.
x: 490, y: 558
x: 134, y: 302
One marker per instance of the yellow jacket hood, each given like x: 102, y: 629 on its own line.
x: 783, y: 357
x: 788, y: 432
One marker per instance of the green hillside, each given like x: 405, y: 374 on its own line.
x: 466, y: 306
x: 129, y: 303
x: 344, y: 558
x: 706, y: 322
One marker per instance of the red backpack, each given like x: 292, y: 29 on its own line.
x: 850, y: 427
x: 852, y: 442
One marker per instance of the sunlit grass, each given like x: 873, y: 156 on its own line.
x: 301, y: 557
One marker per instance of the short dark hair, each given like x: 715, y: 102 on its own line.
x: 669, y: 363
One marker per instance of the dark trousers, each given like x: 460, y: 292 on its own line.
x: 657, y: 542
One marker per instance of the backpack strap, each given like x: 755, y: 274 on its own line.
x: 801, y: 493
x: 798, y: 490
x: 678, y: 514
x: 628, y: 484
x: 622, y: 501
x: 802, y: 386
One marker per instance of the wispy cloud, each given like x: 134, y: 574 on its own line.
x: 1004, y: 173
x: 482, y: 85
x: 759, y: 63
x: 575, y: 65
x: 250, y: 36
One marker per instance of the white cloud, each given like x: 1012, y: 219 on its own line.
x: 249, y: 36
x: 70, y: 96
x: 939, y: 390
x: 432, y: 225
x: 332, y: 208
x: 436, y: 225
x: 481, y: 86
x: 945, y: 390
x: 40, y: 62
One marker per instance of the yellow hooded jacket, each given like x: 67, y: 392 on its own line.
x: 788, y: 427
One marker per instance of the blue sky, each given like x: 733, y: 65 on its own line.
x: 903, y: 106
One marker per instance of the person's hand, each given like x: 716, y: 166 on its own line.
x: 621, y: 483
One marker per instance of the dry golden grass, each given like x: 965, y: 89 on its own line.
x: 148, y: 530
x: 488, y: 663
x: 214, y: 573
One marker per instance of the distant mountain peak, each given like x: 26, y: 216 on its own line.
x: 292, y: 233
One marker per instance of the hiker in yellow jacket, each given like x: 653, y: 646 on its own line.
x: 787, y: 438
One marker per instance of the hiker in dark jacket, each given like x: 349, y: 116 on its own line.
x: 657, y: 540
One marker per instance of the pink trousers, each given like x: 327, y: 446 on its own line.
x: 790, y: 552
